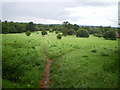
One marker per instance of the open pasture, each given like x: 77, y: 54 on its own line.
x: 77, y: 62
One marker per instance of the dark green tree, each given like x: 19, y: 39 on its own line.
x: 56, y: 32
x: 4, y: 28
x: 28, y: 33
x: 43, y: 33
x: 59, y: 36
x: 82, y: 33
x: 31, y: 26
x: 110, y: 35
x: 71, y: 32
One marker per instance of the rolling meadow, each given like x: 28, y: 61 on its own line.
x: 77, y: 62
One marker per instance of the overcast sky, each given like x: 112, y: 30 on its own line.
x: 81, y: 12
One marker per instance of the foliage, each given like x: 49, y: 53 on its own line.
x: 31, y: 26
x: 56, y: 32
x: 71, y: 32
x: 51, y: 30
x: 28, y: 33
x: 119, y: 30
x: 82, y: 33
x: 59, y: 36
x: 94, y: 51
x: 43, y: 32
x: 110, y: 35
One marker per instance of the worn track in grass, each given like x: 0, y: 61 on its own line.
x: 45, y: 83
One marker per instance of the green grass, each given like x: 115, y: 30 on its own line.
x: 75, y: 66
x: 77, y: 62
x: 22, y: 60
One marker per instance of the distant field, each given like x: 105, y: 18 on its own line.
x: 77, y: 62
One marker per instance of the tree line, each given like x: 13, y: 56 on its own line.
x: 65, y: 28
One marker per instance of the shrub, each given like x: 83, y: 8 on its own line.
x: 94, y: 51
x: 51, y: 30
x: 59, y: 36
x: 71, y: 32
x: 28, y: 33
x: 82, y: 33
x: 43, y: 32
x: 56, y: 32
x: 98, y: 35
x: 110, y: 35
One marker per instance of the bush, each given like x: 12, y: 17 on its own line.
x: 82, y: 33
x: 71, y: 32
x: 59, y: 36
x: 28, y: 33
x: 51, y: 30
x: 56, y: 32
x: 98, y: 35
x: 43, y: 32
x: 94, y: 51
x: 110, y: 35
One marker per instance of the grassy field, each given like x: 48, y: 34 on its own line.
x: 77, y: 62
x: 23, y: 61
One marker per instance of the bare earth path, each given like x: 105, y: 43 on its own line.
x: 45, y: 83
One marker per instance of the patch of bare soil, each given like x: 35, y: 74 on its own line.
x: 45, y: 83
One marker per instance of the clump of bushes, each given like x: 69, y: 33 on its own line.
x: 110, y: 35
x: 98, y: 35
x: 94, y: 51
x: 28, y: 33
x: 82, y: 33
x: 51, y: 30
x: 71, y: 32
x: 43, y: 32
x: 59, y: 36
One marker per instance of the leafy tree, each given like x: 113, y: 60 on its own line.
x: 56, y: 32
x: 43, y: 33
x: 40, y: 28
x: 82, y: 33
x: 71, y: 32
x: 59, y: 36
x: 75, y: 27
x: 20, y: 28
x: 4, y: 28
x: 119, y: 30
x: 51, y: 30
x: 31, y: 26
x: 66, y: 23
x: 110, y: 35
x: 28, y: 33
x: 64, y: 31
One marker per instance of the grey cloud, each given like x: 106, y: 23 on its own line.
x: 48, y: 10
x: 40, y: 10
